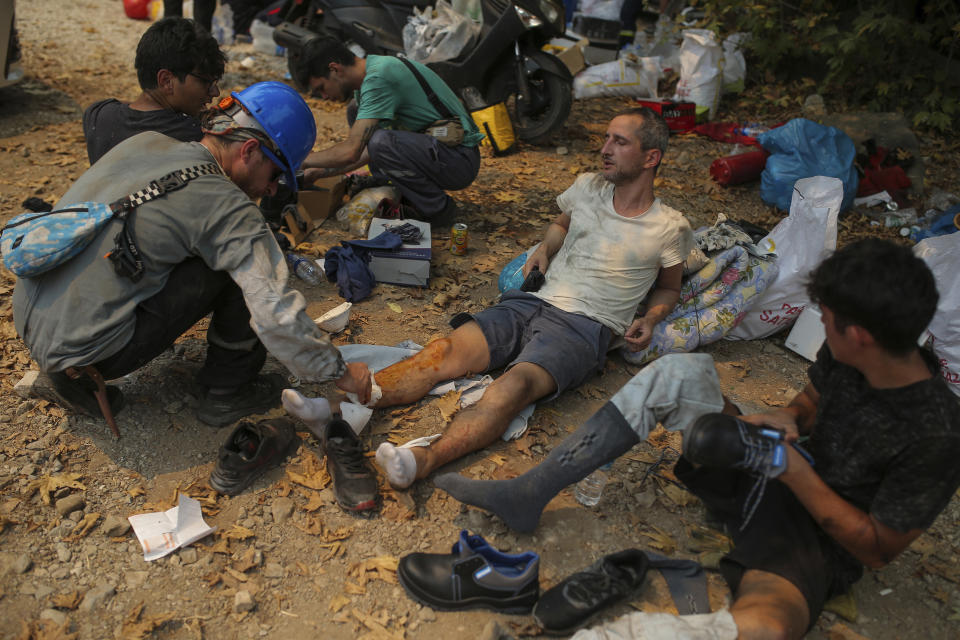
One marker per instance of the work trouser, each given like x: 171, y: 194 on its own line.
x: 423, y: 168
x: 235, y: 354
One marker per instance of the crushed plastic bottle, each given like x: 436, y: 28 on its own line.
x: 307, y: 270
x: 221, y: 27
x: 589, y: 490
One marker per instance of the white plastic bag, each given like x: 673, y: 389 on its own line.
x: 432, y: 38
x: 801, y: 241
x: 628, y: 76
x: 942, y: 255
x: 701, y: 69
x: 665, y: 44
x: 734, y: 64
x: 356, y: 215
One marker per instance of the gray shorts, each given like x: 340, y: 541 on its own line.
x: 524, y: 328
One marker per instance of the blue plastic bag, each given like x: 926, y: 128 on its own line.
x: 511, y: 277
x: 803, y: 149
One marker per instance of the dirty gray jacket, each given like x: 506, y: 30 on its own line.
x: 83, y: 312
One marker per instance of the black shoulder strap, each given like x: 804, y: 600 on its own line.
x: 170, y: 182
x: 126, y: 255
x: 431, y: 96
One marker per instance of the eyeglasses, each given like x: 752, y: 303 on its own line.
x: 207, y: 80
x: 277, y: 171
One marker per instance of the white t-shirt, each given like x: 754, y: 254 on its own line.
x: 607, y: 262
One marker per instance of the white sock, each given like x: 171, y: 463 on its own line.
x: 718, y: 625
x: 399, y: 465
x: 315, y: 412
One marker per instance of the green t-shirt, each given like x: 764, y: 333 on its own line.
x: 391, y: 93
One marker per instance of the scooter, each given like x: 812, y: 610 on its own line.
x: 506, y: 64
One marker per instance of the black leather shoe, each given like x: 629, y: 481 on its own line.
x: 258, y: 396
x: 474, y: 575
x: 251, y: 450
x: 354, y: 483
x: 77, y: 394
x: 575, y: 600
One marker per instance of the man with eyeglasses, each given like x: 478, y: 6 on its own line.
x: 179, y: 65
x: 200, y: 249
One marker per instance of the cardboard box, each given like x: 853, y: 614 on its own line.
x: 679, y: 116
x: 808, y: 334
x: 569, y: 52
x: 314, y: 205
x: 408, y: 264
x: 594, y: 55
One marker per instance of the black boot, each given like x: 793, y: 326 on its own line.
x: 519, y: 502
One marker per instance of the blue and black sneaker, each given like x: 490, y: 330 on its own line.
x: 474, y: 575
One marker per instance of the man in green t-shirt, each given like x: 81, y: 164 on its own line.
x: 388, y: 127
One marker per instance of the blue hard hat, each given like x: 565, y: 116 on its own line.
x: 286, y: 119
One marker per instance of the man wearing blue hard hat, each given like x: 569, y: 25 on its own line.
x: 192, y: 245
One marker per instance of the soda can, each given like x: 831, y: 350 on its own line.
x: 458, y: 239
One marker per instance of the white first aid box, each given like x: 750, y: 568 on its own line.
x: 408, y: 264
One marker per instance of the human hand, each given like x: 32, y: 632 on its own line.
x: 358, y: 380
x: 797, y: 465
x: 778, y: 419
x: 536, y: 259
x: 639, y: 334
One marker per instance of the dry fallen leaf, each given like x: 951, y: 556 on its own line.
x: 661, y: 540
x: 355, y: 589
x: 379, y: 568
x: 83, y: 527
x: 395, y: 307
x: 135, y: 629
x: 679, y: 496
x: 236, y: 532
x: 247, y: 561
x: 449, y: 404
x: 46, y: 485
x: 68, y: 601
x: 316, y: 480
x: 338, y: 602
x: 314, y: 503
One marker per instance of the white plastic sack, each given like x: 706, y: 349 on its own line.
x: 604, y: 9
x: 734, y: 64
x: 665, y: 44
x: 701, y: 69
x: 628, y: 76
x: 801, y: 241
x: 942, y: 255
x: 432, y: 38
x: 358, y: 212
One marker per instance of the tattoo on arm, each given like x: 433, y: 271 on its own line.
x: 367, y: 134
x: 329, y: 171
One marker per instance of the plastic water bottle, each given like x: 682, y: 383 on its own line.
x: 589, y: 490
x: 306, y: 270
x: 751, y: 129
